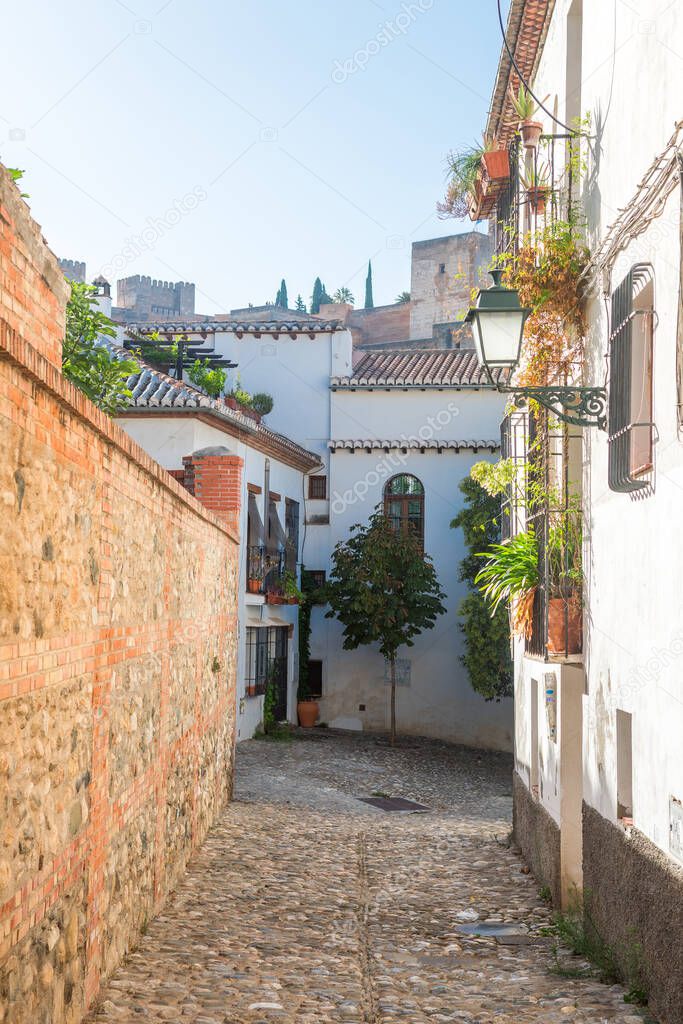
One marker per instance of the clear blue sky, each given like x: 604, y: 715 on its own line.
x: 237, y: 143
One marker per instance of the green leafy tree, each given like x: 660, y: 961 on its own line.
x: 369, y: 304
x: 281, y: 299
x: 210, y: 380
x: 403, y: 297
x: 85, y: 361
x: 317, y: 295
x: 487, y: 636
x: 384, y: 590
x: 300, y: 305
x: 344, y: 295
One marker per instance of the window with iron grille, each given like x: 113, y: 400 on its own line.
x: 317, y: 487
x: 266, y: 659
x: 630, y: 425
x: 257, y: 661
x: 314, y: 578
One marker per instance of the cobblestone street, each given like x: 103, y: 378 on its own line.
x: 305, y: 905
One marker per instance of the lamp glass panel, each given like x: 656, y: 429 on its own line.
x: 500, y: 337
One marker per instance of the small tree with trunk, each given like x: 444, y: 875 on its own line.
x: 384, y: 590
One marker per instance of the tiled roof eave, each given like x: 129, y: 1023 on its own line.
x: 412, y: 444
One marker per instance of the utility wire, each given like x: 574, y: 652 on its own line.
x: 572, y: 131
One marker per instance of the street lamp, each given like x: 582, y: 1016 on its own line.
x: 498, y: 327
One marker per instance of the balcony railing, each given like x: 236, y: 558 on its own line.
x: 542, y: 189
x: 543, y: 498
x: 265, y: 569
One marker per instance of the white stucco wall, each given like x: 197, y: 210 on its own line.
x: 632, y: 82
x: 439, y: 700
x: 167, y: 439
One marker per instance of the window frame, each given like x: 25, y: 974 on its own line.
x: 633, y: 304
x: 314, y: 480
x: 404, y: 518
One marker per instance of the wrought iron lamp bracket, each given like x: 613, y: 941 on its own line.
x: 582, y: 407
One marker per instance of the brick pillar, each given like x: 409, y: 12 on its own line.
x: 214, y: 476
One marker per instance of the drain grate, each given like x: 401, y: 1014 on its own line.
x: 394, y: 803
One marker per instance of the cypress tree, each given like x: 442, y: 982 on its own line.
x: 282, y: 299
x: 316, y: 296
x: 369, y: 304
x: 325, y: 297
x: 300, y: 305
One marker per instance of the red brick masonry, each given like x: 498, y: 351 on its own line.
x: 117, y: 662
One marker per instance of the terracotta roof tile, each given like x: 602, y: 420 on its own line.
x: 417, y: 368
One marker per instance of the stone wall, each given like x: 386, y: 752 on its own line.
x: 443, y: 273
x: 634, y: 893
x: 538, y: 837
x: 117, y: 663
x: 381, y: 324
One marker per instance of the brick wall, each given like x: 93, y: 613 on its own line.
x: 117, y: 663
x: 383, y: 323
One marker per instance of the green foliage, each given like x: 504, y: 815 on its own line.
x: 369, y: 303
x: 403, y: 297
x: 463, y: 168
x: 85, y: 362
x: 575, y: 930
x: 383, y: 590
x: 487, y: 637
x: 281, y: 297
x: 289, y: 586
x: 494, y: 477
x: 344, y: 295
x: 211, y: 381
x: 300, y: 305
x: 325, y: 297
x: 511, y: 569
x: 316, y: 296
x: 17, y: 174
x: 262, y: 403
x: 524, y: 104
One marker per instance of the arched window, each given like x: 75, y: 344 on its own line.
x: 404, y: 504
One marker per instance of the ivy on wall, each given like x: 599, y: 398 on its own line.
x: 487, y: 637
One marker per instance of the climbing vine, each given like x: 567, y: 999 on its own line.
x: 547, y: 272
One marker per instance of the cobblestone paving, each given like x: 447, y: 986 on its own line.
x: 306, y: 906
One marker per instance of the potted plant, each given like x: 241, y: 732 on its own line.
x: 525, y: 107
x: 254, y: 584
x: 291, y: 591
x: 511, y: 574
x: 537, y: 189
x: 307, y: 707
x: 565, y: 614
x: 464, y: 178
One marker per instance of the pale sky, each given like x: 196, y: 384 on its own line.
x: 234, y: 144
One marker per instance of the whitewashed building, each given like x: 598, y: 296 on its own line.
x: 598, y: 749
x: 426, y: 416
x: 255, y: 478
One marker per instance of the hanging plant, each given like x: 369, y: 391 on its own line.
x: 547, y: 272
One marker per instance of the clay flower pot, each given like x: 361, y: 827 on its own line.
x: 308, y: 711
x: 531, y: 133
x: 497, y: 164
x: 253, y: 585
x: 538, y: 196
x: 565, y: 626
